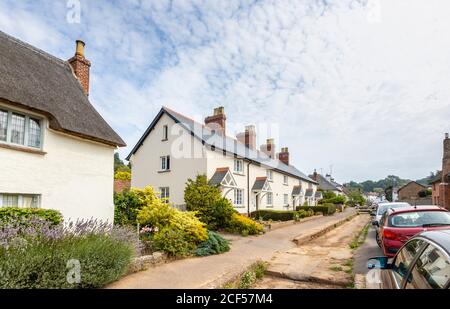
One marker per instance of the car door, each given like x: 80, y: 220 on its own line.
x: 403, y: 261
x: 431, y: 270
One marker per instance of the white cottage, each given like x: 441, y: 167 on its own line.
x: 175, y: 148
x: 56, y: 151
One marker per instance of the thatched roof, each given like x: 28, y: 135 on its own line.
x: 35, y: 80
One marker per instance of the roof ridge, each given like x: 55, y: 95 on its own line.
x: 34, y: 49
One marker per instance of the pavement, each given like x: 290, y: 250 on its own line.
x: 324, y: 262
x: 214, y: 271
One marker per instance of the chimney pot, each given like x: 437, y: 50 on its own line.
x: 283, y: 156
x: 446, y: 135
x: 80, y: 48
x: 248, y: 138
x: 217, y: 121
x: 269, y: 148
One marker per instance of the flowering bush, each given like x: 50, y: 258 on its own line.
x: 34, y: 253
x: 175, y: 232
x: 243, y: 225
x: 122, y: 176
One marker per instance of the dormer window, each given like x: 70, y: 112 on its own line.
x: 165, y: 135
x: 20, y: 129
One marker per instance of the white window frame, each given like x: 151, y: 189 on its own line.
x: 285, y: 180
x: 269, y: 199
x: 269, y: 175
x: 164, y: 193
x: 165, y: 133
x: 238, y: 197
x: 286, y: 199
x: 20, y: 200
x: 10, y: 112
x: 239, y: 166
x: 164, y: 163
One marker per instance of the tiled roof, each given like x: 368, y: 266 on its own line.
x: 325, y: 184
x: 309, y: 192
x: 226, y: 143
x: 297, y: 190
x: 218, y: 176
x: 318, y: 195
x: 259, y: 183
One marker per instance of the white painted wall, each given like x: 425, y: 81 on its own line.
x: 75, y: 176
x: 187, y: 161
x: 196, y: 159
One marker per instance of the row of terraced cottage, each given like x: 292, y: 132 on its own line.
x: 56, y: 151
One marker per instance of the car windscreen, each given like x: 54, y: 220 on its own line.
x: 420, y: 219
x: 382, y: 208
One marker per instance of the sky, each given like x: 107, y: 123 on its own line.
x: 358, y: 87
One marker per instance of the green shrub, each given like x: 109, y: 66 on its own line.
x: 243, y: 225
x: 325, y: 209
x: 275, y: 215
x: 337, y: 200
x: 126, y: 207
x: 177, y: 233
x: 45, y: 256
x: 12, y: 213
x: 208, y: 203
x: 215, y: 244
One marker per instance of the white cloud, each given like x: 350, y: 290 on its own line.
x: 367, y: 95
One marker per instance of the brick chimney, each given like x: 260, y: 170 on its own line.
x: 248, y: 138
x: 217, y: 121
x: 314, y: 175
x: 81, y: 66
x: 283, y: 156
x: 269, y: 148
x: 446, y: 159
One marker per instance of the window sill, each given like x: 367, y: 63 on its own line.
x: 238, y: 173
x: 164, y: 171
x: 286, y: 184
x: 164, y: 140
x: 23, y: 149
x: 238, y: 206
x: 271, y: 206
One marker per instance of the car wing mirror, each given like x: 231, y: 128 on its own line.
x: 378, y: 262
x: 375, y: 223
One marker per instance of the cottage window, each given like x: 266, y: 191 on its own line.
x: 239, y: 166
x: 165, y: 133
x: 20, y: 129
x: 165, y: 194
x: 270, y: 175
x: 20, y: 200
x: 285, y: 180
x: 238, y: 197
x: 269, y: 199
x: 286, y: 199
x: 165, y: 163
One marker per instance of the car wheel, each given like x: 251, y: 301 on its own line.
x: 377, y: 236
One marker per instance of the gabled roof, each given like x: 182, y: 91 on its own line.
x: 32, y: 79
x: 228, y: 144
x: 309, y: 192
x: 297, y: 190
x: 411, y: 182
x: 261, y: 184
x: 223, y: 177
x: 318, y: 195
x: 325, y: 184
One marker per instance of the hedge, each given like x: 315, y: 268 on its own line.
x: 275, y: 215
x: 50, y: 215
x: 326, y: 209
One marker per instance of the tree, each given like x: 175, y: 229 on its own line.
x: 208, y: 203
x: 388, y: 193
x: 355, y: 198
x: 119, y: 166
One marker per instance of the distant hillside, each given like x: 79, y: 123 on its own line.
x: 389, y: 181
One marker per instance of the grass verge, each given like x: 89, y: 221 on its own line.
x: 249, y: 277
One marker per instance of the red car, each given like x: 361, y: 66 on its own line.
x: 397, y: 226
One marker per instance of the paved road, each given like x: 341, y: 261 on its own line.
x: 207, y: 271
x: 365, y: 251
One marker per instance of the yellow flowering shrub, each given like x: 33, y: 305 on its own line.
x: 243, y: 225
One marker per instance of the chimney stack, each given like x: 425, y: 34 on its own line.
x: 283, y: 156
x: 446, y: 159
x: 217, y: 121
x: 248, y: 138
x: 269, y: 148
x: 314, y: 177
x: 81, y: 66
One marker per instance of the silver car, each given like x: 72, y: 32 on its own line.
x: 382, y: 208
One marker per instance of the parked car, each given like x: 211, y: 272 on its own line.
x: 381, y: 209
x: 422, y: 263
x: 400, y: 224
